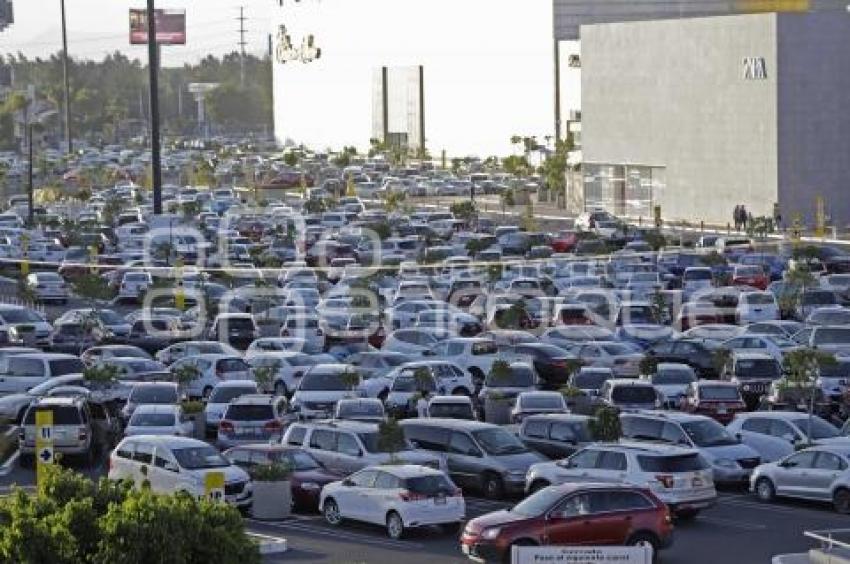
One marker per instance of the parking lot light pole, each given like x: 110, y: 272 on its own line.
x: 67, y: 88
x: 153, y: 70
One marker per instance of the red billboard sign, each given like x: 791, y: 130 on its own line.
x: 170, y: 27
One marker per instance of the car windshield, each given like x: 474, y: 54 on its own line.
x: 499, y: 441
x: 760, y: 299
x: 536, y: 504
x: 542, y: 402
x: 708, y: 433
x: 820, y: 428
x: 729, y: 393
x: 413, y: 384
x: 832, y: 336
x: 62, y: 415
x: 226, y: 394
x: 66, y: 366
x: 154, y: 395
x: 668, y: 377
x: 20, y: 316
x: 373, y: 443
x: 323, y: 382
x: 198, y: 458
x: 301, y: 461
x: 109, y: 317
x: 633, y: 394
x: 360, y: 409
x: 669, y: 464
x: 591, y: 380
x: 152, y: 420
x: 431, y: 485
x: 451, y: 410
x: 518, y: 377
x: 749, y: 369
x: 249, y: 412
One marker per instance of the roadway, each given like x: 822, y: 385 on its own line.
x: 739, y: 529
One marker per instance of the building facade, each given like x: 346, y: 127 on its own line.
x: 699, y: 115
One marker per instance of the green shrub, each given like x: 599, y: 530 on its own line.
x: 277, y: 472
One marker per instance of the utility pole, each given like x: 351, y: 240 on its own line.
x: 153, y: 70
x: 242, y: 45
x: 67, y: 95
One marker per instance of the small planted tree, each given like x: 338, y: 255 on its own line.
x: 265, y: 375
x: 350, y: 379
x: 802, y: 370
x: 464, y: 211
x: 102, y: 375
x: 184, y: 375
x: 605, y: 425
x: 648, y: 365
x: 391, y: 439
x: 721, y: 360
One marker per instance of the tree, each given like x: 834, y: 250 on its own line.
x: 605, y: 424
x: 390, y: 438
x: 721, y: 360
x: 265, y: 375
x: 93, y: 288
x: 528, y: 221
x: 464, y: 210
x: 290, y: 158
x: 350, y: 379
x: 72, y: 520
x: 184, y: 375
x: 802, y: 370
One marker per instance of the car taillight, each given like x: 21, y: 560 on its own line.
x: 666, y: 480
x: 82, y: 434
x: 225, y: 426
x: 410, y: 496
x: 273, y: 426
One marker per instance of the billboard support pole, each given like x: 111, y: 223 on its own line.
x: 68, y: 133
x: 557, y: 90
x: 153, y: 69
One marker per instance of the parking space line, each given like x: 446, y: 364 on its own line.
x: 306, y: 527
x: 10, y: 462
x: 772, y: 508
x: 731, y: 523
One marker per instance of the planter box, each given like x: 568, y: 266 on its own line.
x: 498, y: 411
x: 272, y: 500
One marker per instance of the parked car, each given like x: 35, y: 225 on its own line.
x: 174, y: 464
x: 149, y: 393
x: 678, y: 476
x: 568, y: 515
x: 555, y: 435
x: 530, y: 403
x: 671, y: 381
x: 222, y: 394
x: 718, y: 400
x: 396, y: 497
x: 479, y: 456
x: 47, y: 286
x: 731, y: 461
x: 73, y: 432
x: 450, y: 407
x: 159, y: 419
x: 774, y: 434
x: 27, y: 370
x: 322, y: 386
x: 251, y: 418
x: 368, y: 410
x: 818, y: 473
x: 210, y: 370
x: 349, y: 446
x: 307, y: 479
x: 629, y: 394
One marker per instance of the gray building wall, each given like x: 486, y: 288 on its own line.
x: 672, y: 94
x: 814, y: 124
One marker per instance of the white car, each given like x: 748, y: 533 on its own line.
x: 47, y: 286
x: 696, y: 278
x: 291, y: 366
x: 320, y: 388
x: 307, y: 328
x: 396, y: 497
x: 159, y: 420
x: 775, y: 434
x: 773, y: 345
x: 221, y: 396
x: 184, y: 349
x: 623, y: 360
x: 212, y: 369
x: 414, y: 341
x: 473, y: 354
x: 133, y: 285
x: 680, y: 477
x: 756, y: 306
x: 671, y: 380
x: 175, y: 464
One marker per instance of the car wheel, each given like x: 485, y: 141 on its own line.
x: 765, y: 490
x: 280, y: 389
x: 395, y: 526
x: 841, y: 501
x: 686, y: 514
x: 331, y: 512
x: 493, y: 487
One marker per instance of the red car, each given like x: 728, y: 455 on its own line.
x: 308, y: 476
x: 718, y: 400
x: 571, y: 514
x: 564, y: 241
x: 750, y: 275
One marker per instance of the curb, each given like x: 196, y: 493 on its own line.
x: 269, y: 545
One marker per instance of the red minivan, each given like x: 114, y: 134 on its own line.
x: 571, y: 514
x: 718, y: 400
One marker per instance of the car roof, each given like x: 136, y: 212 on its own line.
x: 167, y: 441
x: 638, y: 447
x: 253, y: 399
x: 343, y: 425
x: 465, y: 400
x: 155, y: 408
x: 56, y: 400
x: 457, y: 424
x: 740, y: 355
x: 784, y: 415
x: 407, y: 470
x: 674, y: 416
x: 236, y: 384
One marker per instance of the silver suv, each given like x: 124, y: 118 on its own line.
x: 72, y: 428
x: 348, y: 446
x: 252, y: 418
x: 680, y: 477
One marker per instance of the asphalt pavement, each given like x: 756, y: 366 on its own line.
x: 739, y: 529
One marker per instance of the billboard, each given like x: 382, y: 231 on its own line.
x: 170, y: 27
x: 570, y: 15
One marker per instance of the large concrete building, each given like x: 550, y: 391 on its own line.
x: 698, y: 115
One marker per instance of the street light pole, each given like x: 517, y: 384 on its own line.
x: 153, y: 70
x: 30, y: 185
x: 67, y: 95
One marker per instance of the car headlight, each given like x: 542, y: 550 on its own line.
x: 725, y: 463
x: 311, y: 486
x: 13, y: 332
x: 491, y: 533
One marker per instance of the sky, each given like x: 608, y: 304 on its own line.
x: 97, y: 27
